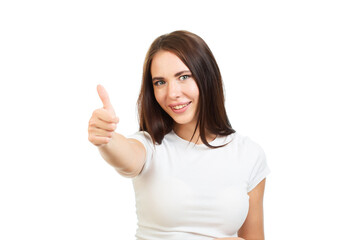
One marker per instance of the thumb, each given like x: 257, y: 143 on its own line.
x: 105, y: 99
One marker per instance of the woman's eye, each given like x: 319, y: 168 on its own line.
x: 158, y: 83
x: 183, y: 77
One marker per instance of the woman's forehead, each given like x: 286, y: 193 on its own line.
x: 166, y: 63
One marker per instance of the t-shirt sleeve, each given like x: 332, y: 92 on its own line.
x: 145, y: 139
x: 259, y: 168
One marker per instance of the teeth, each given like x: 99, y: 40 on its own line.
x: 180, y: 106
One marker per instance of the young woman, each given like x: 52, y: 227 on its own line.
x: 194, y: 177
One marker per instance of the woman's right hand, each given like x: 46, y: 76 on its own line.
x: 103, y: 122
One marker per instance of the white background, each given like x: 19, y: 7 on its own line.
x: 291, y: 75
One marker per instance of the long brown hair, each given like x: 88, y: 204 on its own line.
x: 197, y: 56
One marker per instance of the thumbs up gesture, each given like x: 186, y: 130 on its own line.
x: 103, y: 121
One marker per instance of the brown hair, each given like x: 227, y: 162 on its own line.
x: 197, y: 56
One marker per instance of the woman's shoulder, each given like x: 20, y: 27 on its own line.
x: 252, y: 154
x: 140, y: 134
x: 144, y: 137
x: 245, y: 141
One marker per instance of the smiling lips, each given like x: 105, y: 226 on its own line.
x: 179, y: 107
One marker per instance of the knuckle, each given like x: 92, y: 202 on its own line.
x: 96, y: 113
x: 91, y: 123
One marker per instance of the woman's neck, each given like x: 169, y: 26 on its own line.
x: 186, y: 131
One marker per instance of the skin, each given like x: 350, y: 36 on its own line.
x: 253, y: 227
x: 127, y: 156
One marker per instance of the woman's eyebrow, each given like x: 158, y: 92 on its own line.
x: 179, y: 73
x: 176, y: 75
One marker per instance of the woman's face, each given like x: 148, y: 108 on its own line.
x: 174, y: 87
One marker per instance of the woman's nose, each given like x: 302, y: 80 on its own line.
x: 174, y: 90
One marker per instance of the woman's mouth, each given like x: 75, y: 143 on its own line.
x: 180, y: 108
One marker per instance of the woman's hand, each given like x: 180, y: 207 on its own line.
x: 103, y: 121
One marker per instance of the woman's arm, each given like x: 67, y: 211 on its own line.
x: 253, y: 227
x: 126, y: 155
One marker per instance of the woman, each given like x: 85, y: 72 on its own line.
x: 194, y: 177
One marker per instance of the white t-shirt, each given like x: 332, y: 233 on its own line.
x: 192, y: 192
